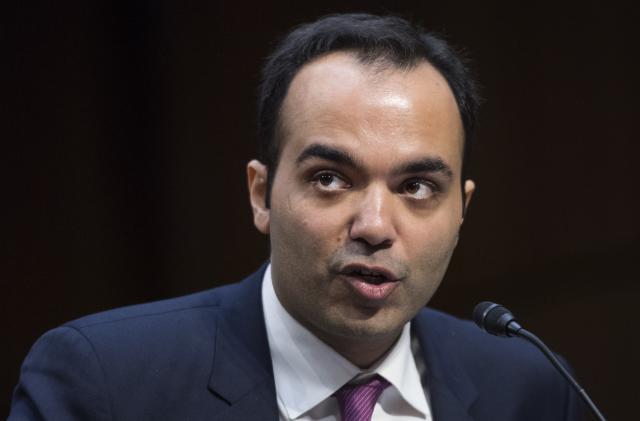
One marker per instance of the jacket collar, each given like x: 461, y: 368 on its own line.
x: 242, y: 374
x: 451, y: 390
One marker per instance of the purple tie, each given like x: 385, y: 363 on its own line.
x: 357, y: 400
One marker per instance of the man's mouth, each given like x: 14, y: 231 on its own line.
x: 371, y: 274
x: 373, y: 283
x: 368, y: 276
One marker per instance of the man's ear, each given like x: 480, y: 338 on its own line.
x: 257, y: 180
x: 469, y: 187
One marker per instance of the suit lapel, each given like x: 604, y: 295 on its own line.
x: 451, y: 390
x: 242, y: 374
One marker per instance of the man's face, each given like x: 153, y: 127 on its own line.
x: 366, y: 201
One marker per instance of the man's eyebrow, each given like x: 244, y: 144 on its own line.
x: 428, y: 165
x: 328, y: 153
x: 333, y: 154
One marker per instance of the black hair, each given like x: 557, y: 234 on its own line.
x: 373, y: 39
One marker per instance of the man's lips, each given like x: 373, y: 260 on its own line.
x: 376, y: 274
x: 373, y: 283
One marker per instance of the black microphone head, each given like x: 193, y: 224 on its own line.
x: 494, y: 319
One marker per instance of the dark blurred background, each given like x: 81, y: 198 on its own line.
x: 126, y: 127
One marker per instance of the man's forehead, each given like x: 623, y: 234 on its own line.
x: 342, y: 72
x: 337, y: 93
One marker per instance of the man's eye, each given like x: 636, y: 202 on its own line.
x: 419, y: 189
x: 329, y: 181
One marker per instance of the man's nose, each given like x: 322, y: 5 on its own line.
x: 374, y: 221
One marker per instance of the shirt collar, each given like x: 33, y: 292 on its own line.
x: 307, y: 371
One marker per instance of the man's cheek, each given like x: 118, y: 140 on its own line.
x: 315, y: 222
x: 300, y: 233
x: 433, y: 255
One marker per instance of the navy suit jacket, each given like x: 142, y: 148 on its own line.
x: 206, y: 357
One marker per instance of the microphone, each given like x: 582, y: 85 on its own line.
x: 498, y: 320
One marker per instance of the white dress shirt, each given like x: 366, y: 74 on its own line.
x: 307, y: 371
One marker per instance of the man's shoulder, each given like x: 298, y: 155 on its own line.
x: 183, y: 307
x: 138, y: 362
x: 195, y: 302
x: 509, y: 368
x: 191, y: 319
x: 467, y: 342
x: 119, y: 334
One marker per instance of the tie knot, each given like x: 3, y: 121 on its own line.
x: 357, y: 400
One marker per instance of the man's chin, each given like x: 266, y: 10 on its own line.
x: 366, y: 324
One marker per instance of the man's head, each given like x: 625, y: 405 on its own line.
x: 366, y: 202
x: 386, y: 40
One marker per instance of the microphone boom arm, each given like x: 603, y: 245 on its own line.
x: 525, y: 334
x: 497, y: 320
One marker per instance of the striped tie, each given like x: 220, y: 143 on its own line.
x: 357, y: 400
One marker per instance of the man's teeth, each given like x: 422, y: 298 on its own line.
x: 370, y: 276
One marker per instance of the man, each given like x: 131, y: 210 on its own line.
x: 364, y: 124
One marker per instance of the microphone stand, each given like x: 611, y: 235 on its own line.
x: 514, y: 329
